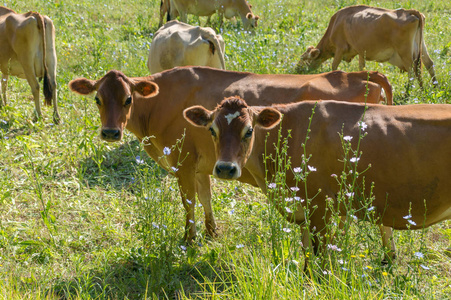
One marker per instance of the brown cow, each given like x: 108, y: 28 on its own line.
x: 160, y: 117
x: 27, y: 50
x: 375, y: 34
x: 225, y: 8
x: 405, y: 152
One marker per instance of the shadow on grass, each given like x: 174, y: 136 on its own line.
x: 117, y: 168
x: 140, y: 277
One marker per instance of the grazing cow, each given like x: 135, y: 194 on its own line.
x: 225, y: 8
x: 159, y: 118
x: 180, y: 44
x: 375, y: 34
x: 404, y: 153
x: 27, y: 50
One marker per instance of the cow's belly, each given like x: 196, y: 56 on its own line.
x: 197, y: 10
x: 12, y: 67
x: 382, y: 56
x: 446, y: 215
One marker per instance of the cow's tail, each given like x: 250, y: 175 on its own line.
x: 417, y: 60
x: 48, y: 88
x: 214, y: 45
x: 382, y: 80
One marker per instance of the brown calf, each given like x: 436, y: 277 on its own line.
x: 407, y: 149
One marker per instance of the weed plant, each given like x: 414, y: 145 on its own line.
x: 84, y: 219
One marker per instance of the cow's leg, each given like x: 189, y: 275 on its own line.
x: 388, y: 243
x: 163, y: 10
x: 188, y: 194
x: 428, y: 63
x: 337, y: 59
x: 361, y: 61
x: 34, y: 84
x: 4, y: 85
x: 311, y: 240
x: 204, y: 195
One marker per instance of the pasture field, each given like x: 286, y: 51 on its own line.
x: 83, y: 219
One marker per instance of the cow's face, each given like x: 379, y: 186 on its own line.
x: 310, y: 59
x: 251, y: 21
x: 232, y: 128
x: 114, y: 98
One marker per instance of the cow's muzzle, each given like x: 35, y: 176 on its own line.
x: 110, y: 135
x: 227, y: 170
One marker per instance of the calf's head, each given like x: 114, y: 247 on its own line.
x: 232, y: 125
x: 114, y: 98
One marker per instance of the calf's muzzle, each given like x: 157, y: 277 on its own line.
x: 226, y: 170
x: 110, y: 135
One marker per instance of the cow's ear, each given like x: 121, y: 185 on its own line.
x: 268, y: 118
x: 146, y: 88
x: 198, y: 116
x: 314, y: 53
x: 83, y: 86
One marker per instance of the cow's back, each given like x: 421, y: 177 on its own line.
x: 180, y: 44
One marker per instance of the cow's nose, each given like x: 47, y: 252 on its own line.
x: 226, y: 170
x: 111, y: 134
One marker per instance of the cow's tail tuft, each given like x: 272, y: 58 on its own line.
x: 48, y: 89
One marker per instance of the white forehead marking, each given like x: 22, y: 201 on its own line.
x: 230, y: 117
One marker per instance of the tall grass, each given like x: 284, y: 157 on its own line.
x: 83, y: 219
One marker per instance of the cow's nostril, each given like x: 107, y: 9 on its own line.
x: 111, y: 134
x: 226, y: 170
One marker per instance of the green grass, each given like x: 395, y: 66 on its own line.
x: 82, y: 219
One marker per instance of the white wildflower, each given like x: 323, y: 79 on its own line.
x: 311, y: 169
x: 297, y: 170
x: 166, y: 151
x: 354, y: 159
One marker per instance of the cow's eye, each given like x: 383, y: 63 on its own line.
x: 97, y: 101
x: 249, y: 133
x: 128, y: 101
x: 213, y: 133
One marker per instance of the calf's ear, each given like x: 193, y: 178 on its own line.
x: 198, y: 116
x: 268, y: 118
x: 146, y: 88
x: 83, y: 86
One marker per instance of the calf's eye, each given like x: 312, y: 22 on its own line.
x: 213, y: 133
x: 128, y: 101
x: 249, y: 133
x: 97, y: 100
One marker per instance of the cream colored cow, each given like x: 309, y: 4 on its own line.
x: 225, y: 8
x: 180, y: 44
x: 27, y: 50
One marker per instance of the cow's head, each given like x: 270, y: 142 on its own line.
x: 251, y: 21
x: 310, y: 59
x: 114, y: 98
x: 232, y: 126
